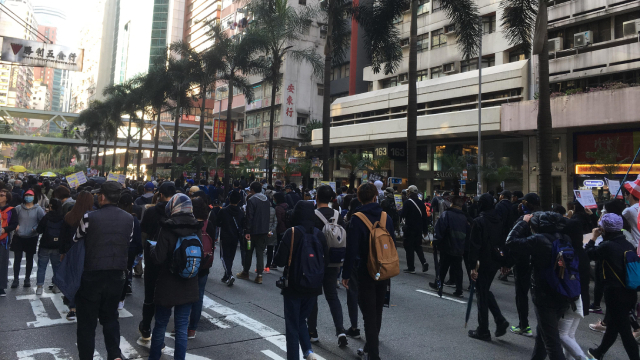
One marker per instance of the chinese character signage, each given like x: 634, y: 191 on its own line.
x: 291, y: 90
x: 36, y: 53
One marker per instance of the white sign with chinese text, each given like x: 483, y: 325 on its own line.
x: 586, y: 199
x: 36, y: 53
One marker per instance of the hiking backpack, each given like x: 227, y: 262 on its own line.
x: 336, y: 238
x: 632, y: 270
x: 187, y: 257
x: 208, y: 247
x: 309, y: 269
x: 383, y: 262
x: 562, y: 274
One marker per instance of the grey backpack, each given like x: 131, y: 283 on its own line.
x: 336, y: 238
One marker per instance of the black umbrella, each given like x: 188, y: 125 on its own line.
x: 472, y: 289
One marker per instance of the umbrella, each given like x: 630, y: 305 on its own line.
x: 48, y: 174
x: 437, y: 266
x: 470, y: 303
x: 18, y: 168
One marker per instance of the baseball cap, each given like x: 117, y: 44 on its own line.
x: 412, y: 189
x: 531, y: 198
x: 149, y: 186
x: 278, y: 182
x: 194, y: 189
x: 389, y: 190
x: 168, y: 188
x: 29, y: 192
x: 519, y: 194
x: 108, y: 187
x: 506, y: 194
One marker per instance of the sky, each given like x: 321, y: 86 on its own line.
x: 78, y: 12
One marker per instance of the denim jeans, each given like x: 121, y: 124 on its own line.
x: 196, y: 307
x: 296, y: 312
x: 44, y: 255
x: 181, y: 320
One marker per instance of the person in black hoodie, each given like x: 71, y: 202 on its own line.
x: 172, y: 291
x: 371, y: 293
x: 229, y: 220
x: 298, y: 301
x: 485, y: 242
x: 550, y: 305
x: 617, y: 297
x: 451, y: 235
x: 150, y: 226
x: 416, y: 220
x: 50, y: 227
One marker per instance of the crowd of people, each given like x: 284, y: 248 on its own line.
x: 344, y: 237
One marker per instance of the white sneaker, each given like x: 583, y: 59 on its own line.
x: 55, y: 289
x: 39, y: 290
x: 311, y: 356
x: 121, y: 305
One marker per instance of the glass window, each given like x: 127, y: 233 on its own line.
x: 391, y: 82
x: 436, y: 72
x: 423, y: 75
x: 423, y: 7
x: 469, y: 65
x: 423, y: 42
x: 517, y: 55
x: 437, y: 6
x: 345, y: 70
x: 302, y: 2
x: 489, y: 24
x: 438, y: 38
x: 601, y: 31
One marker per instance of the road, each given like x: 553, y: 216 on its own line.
x: 247, y: 322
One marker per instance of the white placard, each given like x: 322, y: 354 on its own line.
x: 586, y: 199
x: 614, y: 186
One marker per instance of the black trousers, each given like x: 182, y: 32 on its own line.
x: 619, y: 302
x: 598, y: 288
x: 97, y: 299
x: 17, y: 260
x: 454, y: 263
x: 331, y: 294
x: 371, y: 296
x: 413, y: 244
x: 486, y: 300
x: 547, y: 335
x: 228, y: 249
x: 352, y: 298
x: 148, y: 306
x: 523, y: 284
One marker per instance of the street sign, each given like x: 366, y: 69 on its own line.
x: 593, y: 183
x: 463, y: 182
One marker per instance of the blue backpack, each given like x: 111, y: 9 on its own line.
x: 187, y: 257
x: 310, y: 265
x: 632, y: 269
x: 562, y: 275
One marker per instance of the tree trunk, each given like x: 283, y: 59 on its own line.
x: 115, y: 146
x: 412, y: 106
x: 326, y: 99
x: 97, y: 152
x: 352, y: 180
x: 275, y: 73
x: 155, y: 146
x: 139, y: 159
x: 203, y: 90
x: 104, y: 155
x: 126, y: 153
x: 90, y: 151
x: 176, y: 136
x: 227, y: 139
x: 544, y: 130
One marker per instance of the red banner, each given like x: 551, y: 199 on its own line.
x: 591, y: 142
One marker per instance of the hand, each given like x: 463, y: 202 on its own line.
x: 596, y: 233
x: 345, y: 283
x: 474, y: 275
x: 247, y: 236
x: 527, y: 217
x: 62, y: 257
x: 588, y: 211
x: 505, y: 270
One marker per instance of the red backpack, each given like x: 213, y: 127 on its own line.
x: 6, y: 218
x: 208, y: 247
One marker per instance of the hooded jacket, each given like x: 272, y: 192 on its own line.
x: 486, y: 237
x: 504, y: 209
x: 358, y: 239
x: 611, y: 251
x: 452, y: 232
x: 174, y: 290
x: 378, y: 184
x: 230, y: 219
x: 281, y: 212
x: 47, y: 241
x: 28, y: 220
x: 547, y: 227
x: 150, y: 226
x: 258, y: 214
x: 416, y: 221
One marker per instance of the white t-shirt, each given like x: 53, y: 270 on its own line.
x: 631, y: 215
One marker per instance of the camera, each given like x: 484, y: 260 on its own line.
x: 282, y: 283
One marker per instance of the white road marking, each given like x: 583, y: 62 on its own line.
x: 444, y: 297
x: 169, y: 351
x: 21, y: 277
x: 58, y: 354
x: 127, y: 350
x: 215, y: 321
x: 96, y: 356
x: 272, y: 355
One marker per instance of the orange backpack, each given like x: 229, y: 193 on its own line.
x: 6, y: 217
x: 383, y: 262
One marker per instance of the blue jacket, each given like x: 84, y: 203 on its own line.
x: 358, y: 239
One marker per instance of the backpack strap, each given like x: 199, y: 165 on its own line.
x: 383, y: 220
x: 321, y: 217
x: 613, y: 271
x: 414, y: 203
x: 293, y: 233
x: 364, y: 219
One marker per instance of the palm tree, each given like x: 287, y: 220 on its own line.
x: 306, y: 167
x: 526, y: 27
x: 378, y: 164
x: 279, y: 27
x: 382, y: 41
x: 286, y: 168
x: 337, y: 13
x: 132, y: 103
x: 92, y: 120
x: 354, y: 162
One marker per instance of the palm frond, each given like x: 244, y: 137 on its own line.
x: 518, y: 21
x: 464, y: 14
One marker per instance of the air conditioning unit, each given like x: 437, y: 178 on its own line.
x: 555, y: 44
x: 324, y: 28
x: 631, y: 28
x: 583, y: 39
x: 302, y: 130
x: 247, y: 132
x: 450, y: 29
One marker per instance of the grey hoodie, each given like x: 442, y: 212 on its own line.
x: 258, y: 214
x: 28, y: 220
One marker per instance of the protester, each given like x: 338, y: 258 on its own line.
x: 299, y: 300
x: 145, y: 199
x: 9, y: 223
x: 240, y: 190
x: 173, y: 291
x: 414, y: 214
x: 230, y: 219
x: 371, y: 293
x: 135, y: 247
x: 271, y: 235
x: 451, y: 235
x: 617, y: 297
x: 281, y: 212
x: 63, y: 194
x: 25, y: 239
x: 50, y: 227
x: 106, y: 233
x: 389, y: 206
x: 631, y: 192
x: 256, y: 231
x: 41, y: 199
x: 485, y: 241
x: 16, y: 194
x: 291, y: 196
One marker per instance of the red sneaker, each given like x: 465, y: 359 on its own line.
x: 267, y: 270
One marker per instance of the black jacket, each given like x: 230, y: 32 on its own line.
x: 292, y: 199
x: 66, y: 237
x: 150, y: 226
x: 48, y: 241
x: 452, y: 232
x: 588, y: 222
x: 230, y: 219
x: 416, y: 221
x: 174, y: 290
x: 573, y: 230
x: 258, y: 214
x: 611, y: 253
x: 504, y: 209
x: 485, y: 239
x: 540, y: 247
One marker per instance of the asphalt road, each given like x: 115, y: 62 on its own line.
x: 246, y: 322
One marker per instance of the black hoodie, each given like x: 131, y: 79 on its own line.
x: 47, y: 241
x: 230, y: 219
x: 150, y: 226
x: 486, y: 240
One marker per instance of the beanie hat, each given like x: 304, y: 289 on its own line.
x: 610, y: 222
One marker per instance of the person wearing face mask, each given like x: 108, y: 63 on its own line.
x: 26, y: 236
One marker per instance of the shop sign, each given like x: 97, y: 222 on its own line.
x: 398, y: 151
x: 396, y: 181
x: 34, y: 53
x: 593, y: 183
x: 381, y: 151
x: 445, y: 174
x: 598, y: 169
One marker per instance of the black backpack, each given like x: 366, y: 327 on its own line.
x: 52, y: 234
x: 389, y: 207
